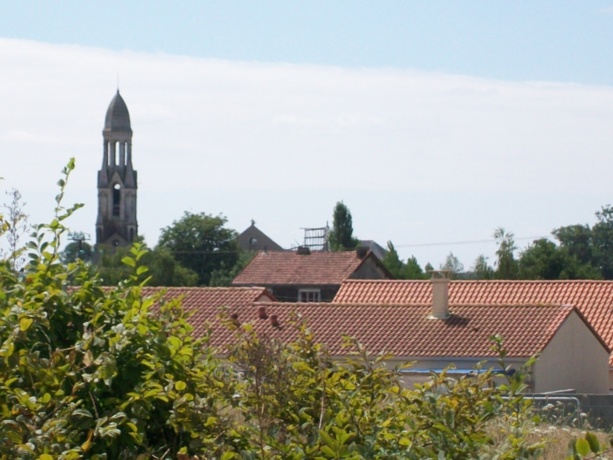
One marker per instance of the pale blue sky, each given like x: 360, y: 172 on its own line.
x: 434, y: 121
x: 568, y: 41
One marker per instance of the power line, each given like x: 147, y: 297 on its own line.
x: 413, y: 245
x: 491, y: 240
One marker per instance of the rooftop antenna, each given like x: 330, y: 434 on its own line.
x: 117, y: 81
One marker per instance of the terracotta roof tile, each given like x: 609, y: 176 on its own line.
x: 204, y: 303
x: 594, y: 299
x: 407, y: 330
x: 316, y: 268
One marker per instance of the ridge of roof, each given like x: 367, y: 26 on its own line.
x: 416, y: 304
x: 204, y: 288
x: 497, y: 281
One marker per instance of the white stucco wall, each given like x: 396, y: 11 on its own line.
x: 574, y: 359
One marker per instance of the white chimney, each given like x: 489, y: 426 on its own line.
x: 440, y: 295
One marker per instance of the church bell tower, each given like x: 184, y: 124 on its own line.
x: 116, y: 224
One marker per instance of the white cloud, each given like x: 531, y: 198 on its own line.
x: 406, y: 150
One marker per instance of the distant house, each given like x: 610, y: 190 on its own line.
x: 305, y: 276
x: 375, y: 247
x: 592, y: 299
x: 254, y: 239
x: 435, y: 335
x: 432, y: 334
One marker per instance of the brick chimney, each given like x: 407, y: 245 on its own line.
x: 440, y: 294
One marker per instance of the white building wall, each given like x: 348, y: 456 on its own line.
x: 574, y: 359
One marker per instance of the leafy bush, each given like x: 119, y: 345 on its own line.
x: 88, y: 372
x: 293, y: 401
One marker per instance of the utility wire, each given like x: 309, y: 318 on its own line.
x: 492, y: 240
x: 415, y: 245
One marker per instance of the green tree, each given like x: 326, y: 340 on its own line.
x: 482, y: 270
x: 410, y: 270
x: 224, y: 275
x: 543, y: 260
x: 392, y: 262
x: 602, y: 238
x: 576, y: 240
x: 77, y: 250
x: 341, y: 236
x: 588, y: 249
x: 91, y: 373
x: 109, y: 266
x: 506, y: 265
x: 453, y: 266
x: 413, y: 271
x: 163, y: 269
x: 201, y: 243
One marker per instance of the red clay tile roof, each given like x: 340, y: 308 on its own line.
x: 404, y: 331
x: 407, y: 331
x: 205, y: 303
x: 594, y: 299
x: 291, y: 268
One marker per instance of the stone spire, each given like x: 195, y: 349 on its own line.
x: 116, y: 224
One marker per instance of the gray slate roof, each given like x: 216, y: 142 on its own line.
x: 117, y: 115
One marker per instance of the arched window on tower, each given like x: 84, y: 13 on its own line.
x: 116, y: 200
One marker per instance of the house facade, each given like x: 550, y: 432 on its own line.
x: 409, y: 333
x: 305, y: 276
x: 433, y: 336
x: 593, y: 301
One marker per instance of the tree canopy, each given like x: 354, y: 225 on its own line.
x: 201, y: 243
x: 341, y: 236
x: 506, y: 265
x: 163, y: 268
x: 453, y: 266
x: 410, y: 270
x: 78, y: 250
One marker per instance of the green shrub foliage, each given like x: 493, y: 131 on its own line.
x: 99, y: 373
x: 294, y: 401
x: 91, y: 372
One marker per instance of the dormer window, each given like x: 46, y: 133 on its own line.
x: 309, y: 295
